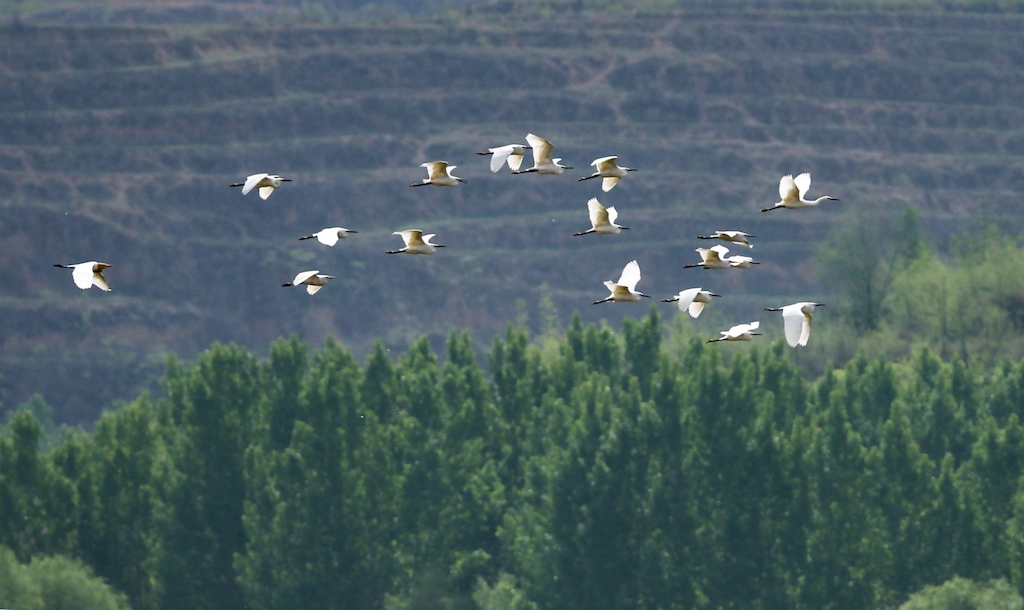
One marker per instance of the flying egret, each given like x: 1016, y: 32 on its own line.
x: 797, y: 318
x: 330, y: 235
x: 711, y: 258
x: 542, y: 161
x: 313, y: 280
x: 439, y: 173
x: 736, y: 237
x: 266, y: 183
x: 602, y: 220
x: 740, y: 262
x: 511, y: 153
x: 416, y: 242
x: 740, y: 332
x: 792, y: 191
x: 624, y: 291
x: 692, y: 300
x: 609, y: 170
x: 88, y: 274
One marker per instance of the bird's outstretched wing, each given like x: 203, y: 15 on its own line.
x: 515, y: 159
x: 793, y: 319
x: 305, y: 275
x: 541, y: 149
x: 328, y: 237
x: 609, y: 183
x: 803, y: 183
x: 686, y: 300
x: 426, y: 239
x: 82, y: 274
x: 266, y: 191
x: 311, y: 289
x: 99, y: 281
x: 411, y: 236
x: 604, y: 163
x: 612, y: 214
x: 787, y: 189
x: 435, y: 169
x: 630, y: 276
x: 499, y: 155
x: 251, y: 182
x: 598, y: 213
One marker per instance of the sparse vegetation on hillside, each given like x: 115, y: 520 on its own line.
x: 118, y: 142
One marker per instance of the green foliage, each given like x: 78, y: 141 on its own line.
x: 600, y: 470
x: 963, y: 594
x: 54, y: 583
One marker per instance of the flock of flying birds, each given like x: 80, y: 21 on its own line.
x: 796, y: 317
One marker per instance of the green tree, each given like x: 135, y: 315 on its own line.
x: 963, y: 594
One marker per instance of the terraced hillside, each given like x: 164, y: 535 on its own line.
x: 118, y: 144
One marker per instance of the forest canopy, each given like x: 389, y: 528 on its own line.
x: 581, y: 469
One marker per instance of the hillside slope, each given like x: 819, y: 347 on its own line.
x: 118, y: 144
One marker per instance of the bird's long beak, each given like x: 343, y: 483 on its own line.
x: 462, y: 181
x: 624, y: 228
x: 645, y: 295
x: 715, y: 295
x: 819, y: 304
x: 669, y: 300
x: 350, y: 231
x: 286, y: 179
x: 631, y: 169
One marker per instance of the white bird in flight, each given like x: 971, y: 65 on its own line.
x: 513, y: 154
x: 416, y: 242
x: 542, y: 161
x: 692, y: 300
x: 711, y: 258
x: 715, y: 258
x: 792, y: 191
x: 624, y: 291
x: 313, y: 280
x: 88, y: 274
x: 439, y: 173
x: 602, y: 220
x: 266, y: 183
x: 797, y: 318
x: 740, y: 262
x: 736, y: 237
x: 740, y: 332
x: 330, y: 235
x: 609, y: 170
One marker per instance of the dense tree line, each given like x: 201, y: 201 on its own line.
x: 596, y: 470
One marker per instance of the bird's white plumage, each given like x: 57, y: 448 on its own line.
x: 630, y: 276
x: 330, y: 235
x: 803, y: 184
x: 411, y: 237
x: 305, y: 275
x: 605, y: 163
x: 89, y: 274
x: 266, y: 183
x: 252, y: 181
x: 787, y: 189
x: 692, y: 300
x: 416, y: 242
x: 793, y: 191
x: 512, y: 154
x: 437, y: 169
x: 599, y: 215
x: 736, y: 237
x: 740, y: 332
x: 797, y: 321
x: 541, y: 149
x: 313, y: 288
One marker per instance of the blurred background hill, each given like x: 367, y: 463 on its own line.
x: 121, y: 125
